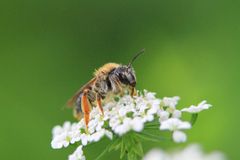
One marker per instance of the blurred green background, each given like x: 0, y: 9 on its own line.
x: 49, y: 48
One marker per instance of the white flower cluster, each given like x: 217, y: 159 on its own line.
x: 77, y: 155
x: 192, y: 152
x: 123, y: 115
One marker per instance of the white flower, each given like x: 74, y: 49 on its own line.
x: 174, y: 124
x: 137, y: 124
x: 196, y: 109
x: 63, y: 136
x: 151, y: 99
x: 149, y: 95
x: 109, y: 134
x: 147, y: 117
x: 215, y: 156
x: 99, y: 134
x: 96, y: 123
x: 124, y: 115
x: 60, y: 141
x: 84, y: 139
x: 69, y: 133
x: 192, y: 152
x: 77, y: 155
x: 170, y: 101
x: 195, y: 152
x: 156, y: 154
x: 57, y: 130
x: 141, y: 105
x: 164, y: 115
x: 123, y: 127
x: 179, y: 136
x: 176, y: 114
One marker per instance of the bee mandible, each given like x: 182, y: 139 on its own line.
x: 110, y: 79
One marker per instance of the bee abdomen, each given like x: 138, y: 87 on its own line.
x: 78, y: 107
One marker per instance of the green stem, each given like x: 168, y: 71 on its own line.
x: 131, y: 147
x: 148, y: 138
x: 103, y: 153
x: 154, y: 136
x: 194, y: 118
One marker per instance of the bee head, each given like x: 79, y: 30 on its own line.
x: 127, y: 75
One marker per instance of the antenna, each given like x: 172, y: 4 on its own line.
x: 136, y: 56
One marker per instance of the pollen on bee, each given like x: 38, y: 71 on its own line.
x: 106, y: 68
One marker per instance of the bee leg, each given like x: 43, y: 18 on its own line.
x: 99, y: 104
x: 86, y: 107
x: 133, y: 91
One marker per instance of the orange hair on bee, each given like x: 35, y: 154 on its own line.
x: 105, y: 69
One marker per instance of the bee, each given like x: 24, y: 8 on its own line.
x: 110, y: 79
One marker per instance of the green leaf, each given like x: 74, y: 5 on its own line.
x: 123, y: 147
x: 147, y: 138
x: 132, y: 156
x: 115, y: 145
x: 154, y: 123
x: 106, y: 124
x: 103, y: 153
x: 194, y: 118
x: 130, y: 114
x: 82, y: 130
x: 138, y: 149
x: 123, y: 150
x: 155, y: 136
x: 152, y: 127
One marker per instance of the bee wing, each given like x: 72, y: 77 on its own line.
x: 72, y: 100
